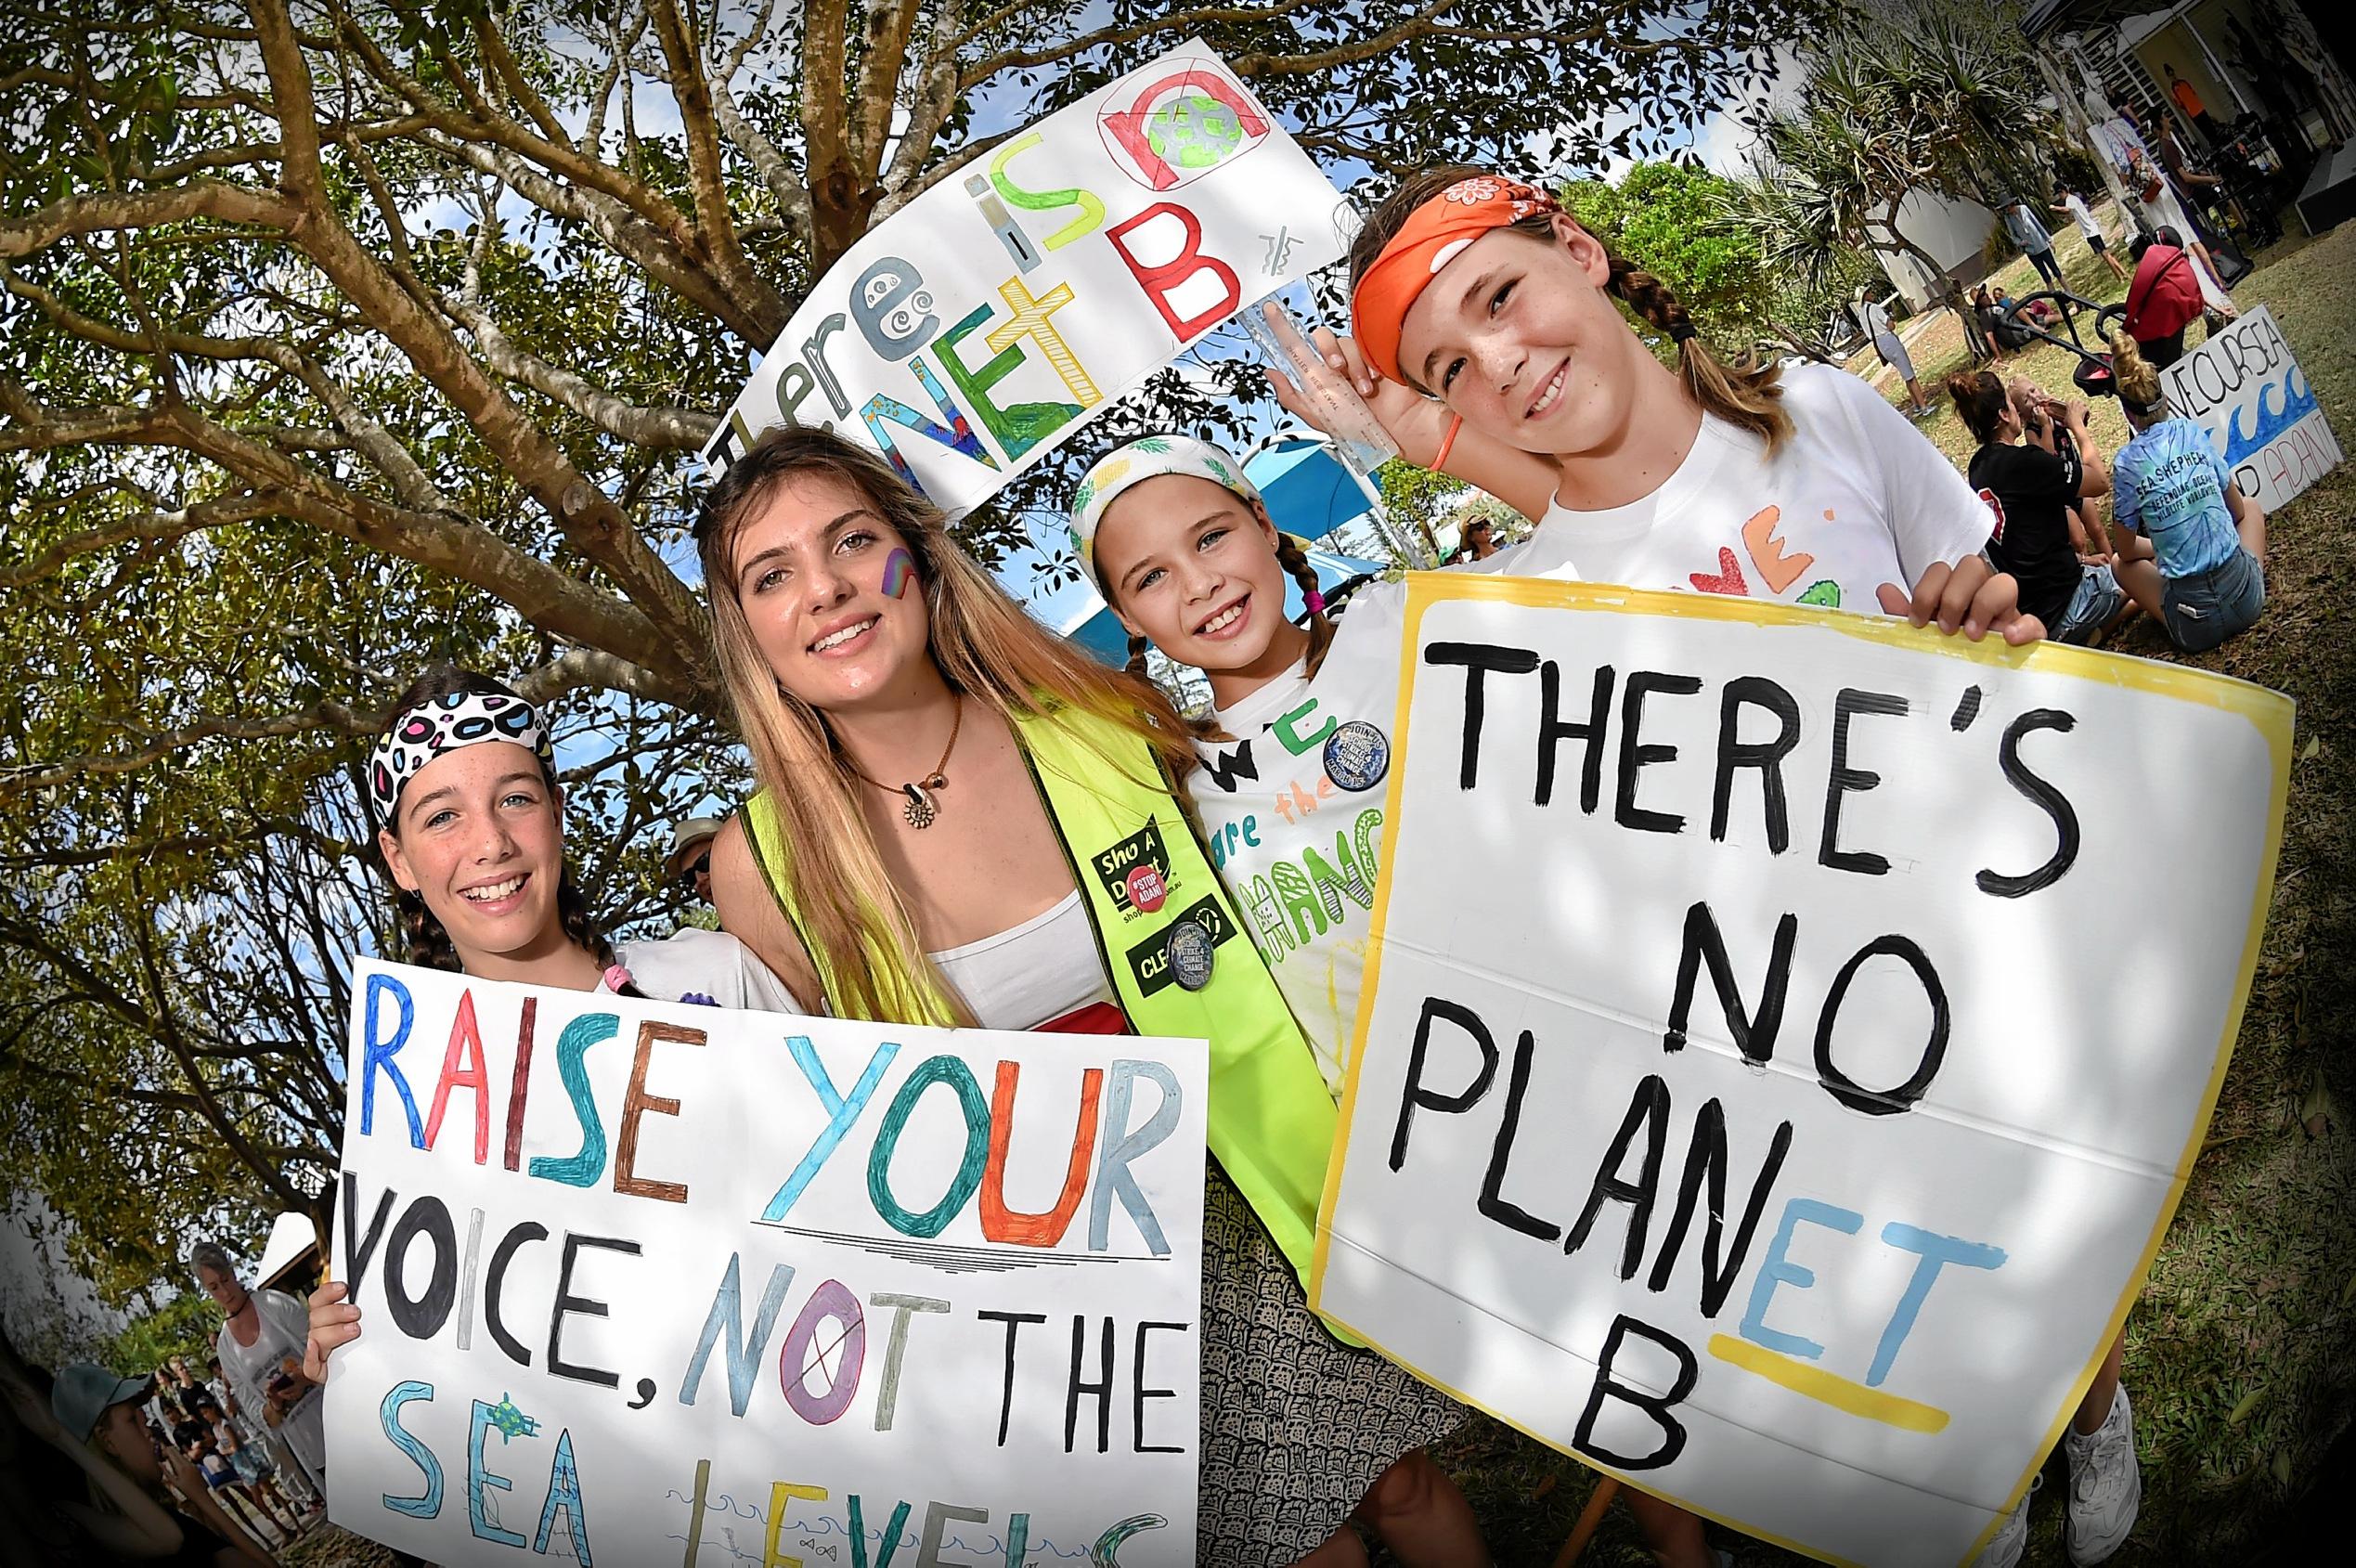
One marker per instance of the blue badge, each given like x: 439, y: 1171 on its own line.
x: 1191, y: 953
x: 1357, y: 755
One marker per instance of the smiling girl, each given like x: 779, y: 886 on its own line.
x: 464, y: 781
x: 1489, y: 344
x: 965, y: 821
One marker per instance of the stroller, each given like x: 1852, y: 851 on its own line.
x: 2092, y: 375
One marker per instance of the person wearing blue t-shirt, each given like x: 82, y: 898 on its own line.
x: 2169, y: 484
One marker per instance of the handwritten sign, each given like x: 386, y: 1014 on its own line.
x: 1787, y: 1037
x: 2246, y: 390
x: 651, y: 1284
x: 1018, y: 298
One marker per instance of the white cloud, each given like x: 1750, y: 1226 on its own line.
x: 1723, y: 142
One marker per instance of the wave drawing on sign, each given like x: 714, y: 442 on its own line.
x: 2293, y: 399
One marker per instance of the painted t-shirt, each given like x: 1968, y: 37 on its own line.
x: 1298, y: 851
x: 1856, y: 497
x: 2169, y: 484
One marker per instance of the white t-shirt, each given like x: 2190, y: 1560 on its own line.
x: 711, y: 968
x: 2086, y: 223
x: 1299, y: 851
x: 1856, y: 497
x: 285, y: 1323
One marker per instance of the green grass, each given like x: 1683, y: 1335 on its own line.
x: 2239, y: 1351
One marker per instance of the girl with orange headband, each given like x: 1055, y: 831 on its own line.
x: 1487, y: 343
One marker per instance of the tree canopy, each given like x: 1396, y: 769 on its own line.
x: 1664, y: 216
x: 341, y: 336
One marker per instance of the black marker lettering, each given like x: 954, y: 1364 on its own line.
x: 1478, y: 659
x: 495, y: 1280
x: 1553, y: 732
x: 568, y: 1304
x: 1753, y: 1033
x: 2017, y: 773
x: 1846, y: 779
x: 1635, y: 756
x: 421, y: 1316
x: 1706, y: 1156
x: 1504, y: 1209
x: 1649, y: 1108
x: 1416, y: 1096
x: 1766, y: 756
x: 1657, y: 1406
x: 1014, y: 1321
x: 1882, y: 1102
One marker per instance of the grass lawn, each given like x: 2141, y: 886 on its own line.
x: 2239, y: 1354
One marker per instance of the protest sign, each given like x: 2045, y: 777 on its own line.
x: 2246, y: 390
x: 1786, y: 1037
x: 1018, y: 298
x: 647, y: 1284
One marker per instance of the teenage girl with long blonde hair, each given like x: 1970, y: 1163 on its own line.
x: 964, y: 820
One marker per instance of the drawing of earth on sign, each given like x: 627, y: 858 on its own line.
x: 1180, y: 125
x: 2292, y: 400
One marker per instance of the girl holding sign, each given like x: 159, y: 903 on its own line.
x: 464, y: 780
x: 965, y: 821
x: 1489, y: 346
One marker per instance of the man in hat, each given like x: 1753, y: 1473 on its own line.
x: 690, y: 858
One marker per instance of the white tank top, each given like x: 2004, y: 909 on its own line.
x: 1029, y: 973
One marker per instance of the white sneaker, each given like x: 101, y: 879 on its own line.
x: 2004, y: 1547
x: 2106, y: 1486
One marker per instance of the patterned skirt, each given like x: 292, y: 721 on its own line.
x: 1296, y: 1425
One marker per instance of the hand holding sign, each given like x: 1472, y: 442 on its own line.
x: 1760, y: 1142
x: 1004, y: 308
x: 711, y: 1273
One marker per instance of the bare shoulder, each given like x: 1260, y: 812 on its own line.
x: 748, y: 912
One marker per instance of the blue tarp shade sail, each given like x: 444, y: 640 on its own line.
x: 1308, y: 492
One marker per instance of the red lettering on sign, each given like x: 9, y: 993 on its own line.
x: 1159, y: 280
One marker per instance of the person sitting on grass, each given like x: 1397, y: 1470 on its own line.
x: 2173, y: 488
x: 95, y: 1410
x: 2038, y: 313
x: 2029, y: 483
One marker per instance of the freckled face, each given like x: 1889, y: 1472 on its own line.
x: 482, y: 842
x: 815, y: 576
x: 1517, y: 338
x: 1191, y: 568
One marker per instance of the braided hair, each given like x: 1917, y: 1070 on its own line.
x: 1745, y: 393
x: 427, y: 944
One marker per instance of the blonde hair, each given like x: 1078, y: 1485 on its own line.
x: 1746, y: 393
x: 848, y: 913
x: 2137, y: 382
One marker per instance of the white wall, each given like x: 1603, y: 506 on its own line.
x: 1952, y: 231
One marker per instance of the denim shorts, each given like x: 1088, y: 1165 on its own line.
x: 2205, y: 608
x: 2098, y: 599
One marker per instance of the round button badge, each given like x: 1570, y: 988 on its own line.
x: 1357, y: 755
x: 1191, y: 953
x: 1148, y: 891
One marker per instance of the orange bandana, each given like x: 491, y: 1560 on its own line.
x: 1430, y: 239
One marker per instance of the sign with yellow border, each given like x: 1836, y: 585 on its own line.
x: 1786, y: 1037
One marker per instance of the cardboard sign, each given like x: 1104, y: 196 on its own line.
x: 647, y: 1284
x: 1786, y: 1037
x: 1018, y: 299
x: 2246, y: 390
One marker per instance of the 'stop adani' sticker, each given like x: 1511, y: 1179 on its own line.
x: 1135, y: 871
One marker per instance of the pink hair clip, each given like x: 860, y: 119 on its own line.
x: 616, y: 977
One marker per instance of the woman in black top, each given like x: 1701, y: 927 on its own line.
x: 2031, y: 479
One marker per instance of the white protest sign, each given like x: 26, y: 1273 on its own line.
x: 1786, y: 1037
x: 1018, y: 298
x: 647, y: 1284
x: 2247, y: 391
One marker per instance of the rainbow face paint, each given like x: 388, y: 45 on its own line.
x: 900, y: 570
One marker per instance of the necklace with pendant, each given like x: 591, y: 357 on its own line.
x: 920, y: 811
